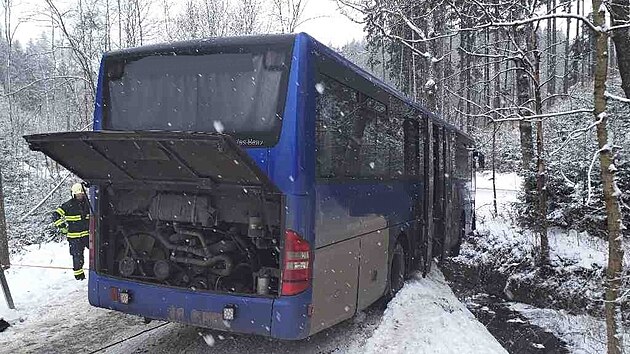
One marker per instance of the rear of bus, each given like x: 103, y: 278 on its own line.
x: 199, y: 184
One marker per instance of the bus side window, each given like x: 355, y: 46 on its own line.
x: 355, y: 137
x: 391, y: 145
x: 462, y: 160
x: 336, y: 106
x: 412, y: 148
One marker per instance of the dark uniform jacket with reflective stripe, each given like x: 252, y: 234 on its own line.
x: 73, y: 217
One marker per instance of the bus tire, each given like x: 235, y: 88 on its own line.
x: 396, y: 271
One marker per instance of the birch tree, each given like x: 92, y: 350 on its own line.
x: 611, y: 191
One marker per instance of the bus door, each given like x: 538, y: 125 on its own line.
x: 413, y: 161
x: 449, y: 218
x: 439, y: 189
x: 427, y: 174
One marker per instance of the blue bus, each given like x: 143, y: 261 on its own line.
x: 261, y: 185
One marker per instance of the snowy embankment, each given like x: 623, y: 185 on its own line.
x: 584, y: 334
x: 566, y: 246
x: 426, y: 317
x: 574, y: 282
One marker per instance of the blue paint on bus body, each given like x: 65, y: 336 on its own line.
x: 290, y: 165
x: 291, y: 170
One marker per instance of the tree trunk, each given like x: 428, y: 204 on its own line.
x: 7, y: 85
x: 486, y: 72
x: 541, y: 176
x: 437, y: 67
x: 553, y: 55
x: 494, y: 169
x: 4, y: 245
x: 463, y: 60
x: 608, y: 169
x: 620, y: 15
x: 567, y: 77
x: 525, y: 127
x: 119, y: 26
x: 108, y: 43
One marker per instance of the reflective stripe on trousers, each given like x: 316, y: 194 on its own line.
x: 78, y: 234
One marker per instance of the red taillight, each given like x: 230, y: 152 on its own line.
x: 296, y: 273
x: 91, y: 241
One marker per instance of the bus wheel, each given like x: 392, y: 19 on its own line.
x: 396, y: 271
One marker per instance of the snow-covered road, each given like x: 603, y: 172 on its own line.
x: 53, y: 315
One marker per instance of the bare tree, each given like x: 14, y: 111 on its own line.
x: 9, y: 35
x: 289, y: 14
x: 248, y: 16
x: 4, y: 248
x: 134, y: 20
x: 83, y: 57
x: 215, y: 18
x: 611, y: 191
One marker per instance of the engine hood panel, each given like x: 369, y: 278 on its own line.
x: 115, y: 157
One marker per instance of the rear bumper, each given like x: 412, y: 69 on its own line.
x: 282, y: 318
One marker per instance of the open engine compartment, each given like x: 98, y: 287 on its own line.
x: 224, y: 240
x: 182, y: 209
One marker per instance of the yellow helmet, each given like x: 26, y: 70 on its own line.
x: 77, y: 188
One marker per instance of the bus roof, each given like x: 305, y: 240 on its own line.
x: 198, y: 45
x: 195, y: 45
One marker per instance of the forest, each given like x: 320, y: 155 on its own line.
x: 542, y: 85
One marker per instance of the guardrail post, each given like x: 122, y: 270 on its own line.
x: 4, y: 251
x: 5, y: 290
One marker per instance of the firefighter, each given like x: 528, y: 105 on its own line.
x: 73, y: 220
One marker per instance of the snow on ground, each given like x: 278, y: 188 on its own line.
x: 505, y: 181
x: 426, y: 317
x: 498, y: 235
x: 579, y: 248
x: 52, y: 311
x: 584, y: 334
x: 32, y: 287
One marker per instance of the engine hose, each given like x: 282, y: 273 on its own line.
x: 195, y: 233
x: 222, y: 258
x: 187, y: 249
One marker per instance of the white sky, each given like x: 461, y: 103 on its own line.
x: 327, y: 24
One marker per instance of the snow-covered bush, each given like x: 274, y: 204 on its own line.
x: 573, y: 167
x: 507, y: 154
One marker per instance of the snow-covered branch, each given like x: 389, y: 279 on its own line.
x: 616, y: 98
x: 546, y: 115
x: 536, y: 19
x: 575, y: 134
x: 34, y: 82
